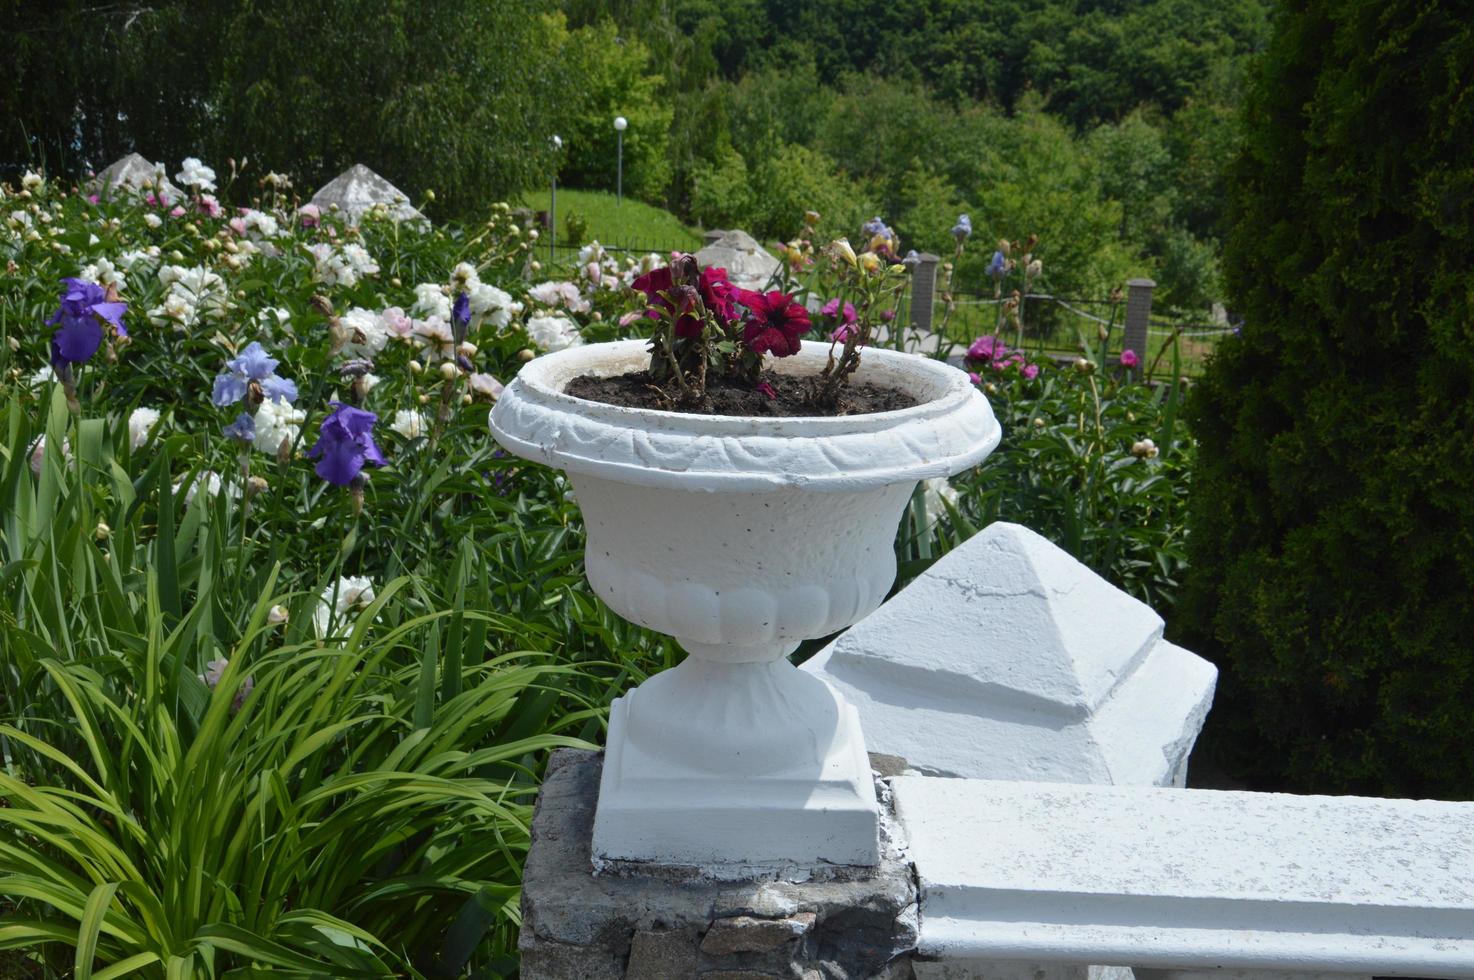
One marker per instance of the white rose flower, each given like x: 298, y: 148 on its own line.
x: 410, y: 424
x: 207, y: 480
x: 492, y: 303
x: 553, y: 332
x: 196, y: 175
x: 430, y: 301
x: 464, y: 277
x: 339, y: 605
x: 435, y: 339
x: 38, y: 453
x: 367, y: 333
x: 105, y: 273
x: 32, y: 181
x: 936, y: 494
x: 260, y: 224
x: 137, y: 259
x: 140, y: 422
x: 194, y: 294
x: 275, y: 319
x: 359, y: 260
x: 277, y: 421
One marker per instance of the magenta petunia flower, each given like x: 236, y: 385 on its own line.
x: 717, y: 295
x: 774, y: 322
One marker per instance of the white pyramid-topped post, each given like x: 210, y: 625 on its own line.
x: 740, y: 537
x: 358, y: 190
x: 134, y: 174
x: 1009, y: 659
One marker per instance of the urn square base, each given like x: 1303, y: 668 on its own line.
x: 656, y: 810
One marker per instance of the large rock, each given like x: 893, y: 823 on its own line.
x: 748, y: 264
x: 135, y: 175
x: 358, y: 189
x: 1009, y: 659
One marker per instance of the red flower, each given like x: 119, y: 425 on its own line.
x: 716, y: 294
x: 774, y: 322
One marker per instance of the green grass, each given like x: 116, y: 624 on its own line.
x: 630, y: 223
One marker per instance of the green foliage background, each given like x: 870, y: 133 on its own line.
x: 1332, y: 532
x: 1100, y: 126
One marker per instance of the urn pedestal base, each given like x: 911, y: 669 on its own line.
x: 736, y: 764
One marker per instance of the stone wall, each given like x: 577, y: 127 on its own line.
x: 652, y: 924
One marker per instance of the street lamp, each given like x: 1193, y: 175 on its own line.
x: 620, y: 124
x: 557, y: 142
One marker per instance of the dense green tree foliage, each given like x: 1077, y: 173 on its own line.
x: 451, y: 96
x: 1332, y: 534
x: 1100, y: 125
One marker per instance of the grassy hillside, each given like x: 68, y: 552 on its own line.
x: 630, y: 223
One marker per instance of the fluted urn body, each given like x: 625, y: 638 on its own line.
x: 740, y: 537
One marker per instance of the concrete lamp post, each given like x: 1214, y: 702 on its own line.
x: 620, y: 125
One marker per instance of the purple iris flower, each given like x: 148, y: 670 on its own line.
x: 963, y: 228
x: 345, y: 444
x: 997, y: 267
x: 84, y: 308
x: 460, y: 317
x: 253, y: 364
x: 876, y: 226
x: 243, y: 429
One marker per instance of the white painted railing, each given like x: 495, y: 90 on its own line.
x: 1043, y: 880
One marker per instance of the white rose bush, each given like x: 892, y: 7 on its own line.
x: 278, y: 617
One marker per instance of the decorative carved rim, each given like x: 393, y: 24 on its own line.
x: 951, y: 429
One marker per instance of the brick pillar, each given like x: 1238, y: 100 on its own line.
x: 1138, y: 313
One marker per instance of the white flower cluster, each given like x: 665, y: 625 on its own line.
x: 140, y: 423
x: 598, y: 269
x: 277, y: 422
x: 103, y: 272
x: 193, y: 295
x: 553, y: 332
x: 256, y: 224
x: 196, y: 175
x: 138, y: 260
x: 339, y: 605
x: 367, y: 332
x: 565, y: 294
x: 342, y: 265
x: 410, y: 424
x: 209, y: 481
x: 488, y: 303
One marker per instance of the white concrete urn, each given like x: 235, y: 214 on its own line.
x: 740, y: 537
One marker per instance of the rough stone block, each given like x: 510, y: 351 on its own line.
x: 1009, y: 659
x: 664, y: 954
x: 750, y: 934
x: 840, y: 922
